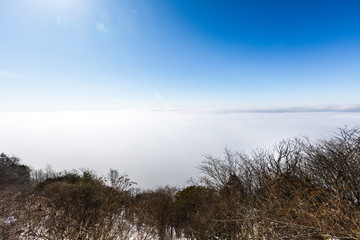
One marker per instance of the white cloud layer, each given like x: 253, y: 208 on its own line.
x: 155, y: 147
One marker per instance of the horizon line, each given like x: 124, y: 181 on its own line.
x: 295, y: 109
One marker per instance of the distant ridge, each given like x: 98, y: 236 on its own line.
x: 296, y: 109
x: 342, y: 108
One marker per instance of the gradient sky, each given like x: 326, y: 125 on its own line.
x: 150, y: 86
x: 113, y: 54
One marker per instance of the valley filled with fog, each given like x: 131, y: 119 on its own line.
x: 153, y: 146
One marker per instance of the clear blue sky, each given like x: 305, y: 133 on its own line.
x: 110, y: 54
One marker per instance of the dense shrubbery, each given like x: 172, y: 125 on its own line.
x: 12, y: 173
x: 298, y: 190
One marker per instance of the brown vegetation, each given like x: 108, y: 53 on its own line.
x: 298, y: 190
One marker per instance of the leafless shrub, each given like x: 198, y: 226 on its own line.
x: 62, y: 209
x: 299, y: 189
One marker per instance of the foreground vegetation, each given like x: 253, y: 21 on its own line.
x: 300, y: 189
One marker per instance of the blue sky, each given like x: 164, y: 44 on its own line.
x: 150, y: 86
x: 113, y: 54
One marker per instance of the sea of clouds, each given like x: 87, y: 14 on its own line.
x: 156, y: 146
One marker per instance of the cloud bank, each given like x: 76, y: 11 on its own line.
x: 311, y: 109
x: 305, y: 109
x: 157, y: 146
